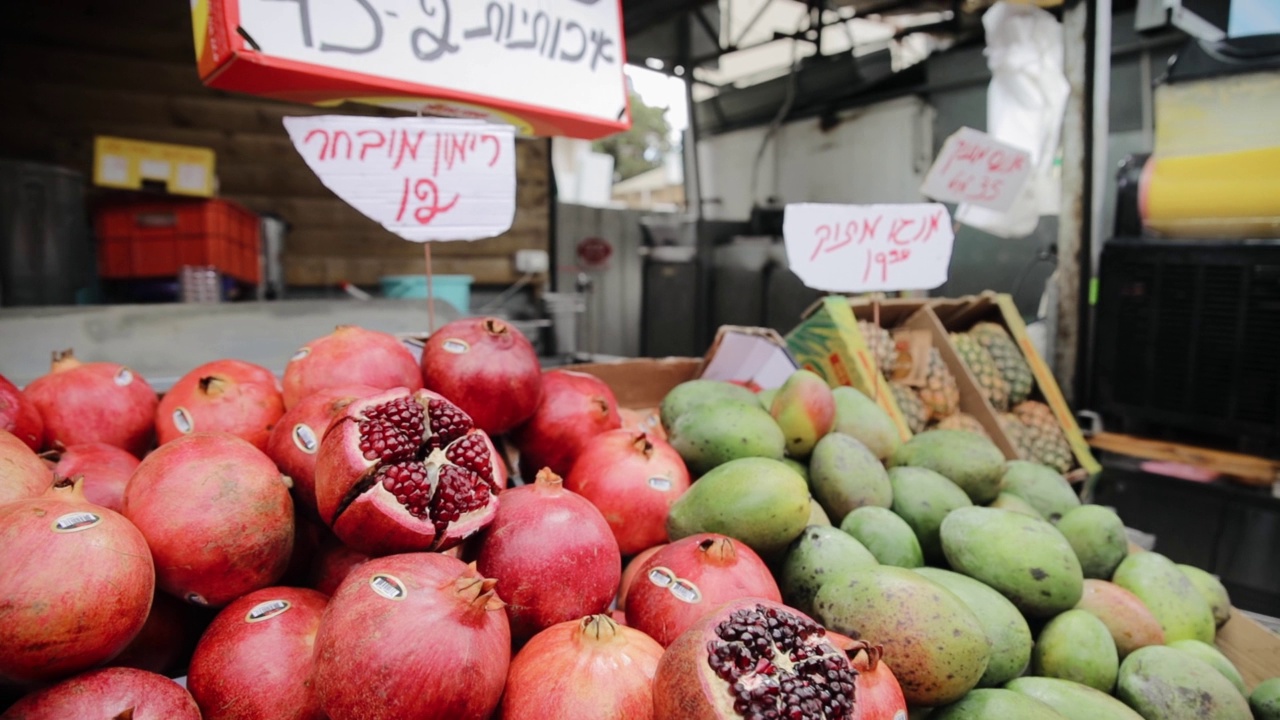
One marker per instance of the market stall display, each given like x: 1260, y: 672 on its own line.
x: 974, y: 584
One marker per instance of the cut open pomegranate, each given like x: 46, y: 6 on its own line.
x: 755, y: 659
x: 403, y: 472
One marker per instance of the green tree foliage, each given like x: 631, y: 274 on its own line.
x: 642, y: 147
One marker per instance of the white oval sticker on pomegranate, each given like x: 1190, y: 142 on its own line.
x: 686, y: 591
x: 196, y: 599
x: 124, y: 376
x: 305, y: 438
x: 456, y: 346
x: 388, y: 586
x: 302, y: 352
x: 662, y: 577
x: 267, y: 610
x: 183, y: 421
x: 75, y: 522
x: 659, y: 483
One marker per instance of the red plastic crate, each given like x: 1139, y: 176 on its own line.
x: 155, y: 239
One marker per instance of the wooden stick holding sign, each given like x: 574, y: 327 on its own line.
x: 424, y: 179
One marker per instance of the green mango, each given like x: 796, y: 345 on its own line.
x: 805, y: 409
x: 1097, y: 535
x: 844, y: 476
x: 1169, y: 594
x: 696, y: 393
x: 966, y: 459
x: 801, y: 468
x: 886, y: 535
x: 1041, y: 486
x: 996, y: 704
x: 1025, y: 559
x: 923, y: 498
x: 710, y: 435
x: 1265, y: 700
x: 757, y: 501
x: 817, y: 555
x: 766, y: 397
x: 1076, y: 646
x: 1214, y: 657
x: 1213, y: 591
x: 1005, y: 627
x: 818, y: 516
x: 938, y: 648
x: 859, y: 416
x: 1164, y: 683
x: 1073, y: 700
x: 1013, y: 503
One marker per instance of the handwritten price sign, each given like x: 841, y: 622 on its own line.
x: 975, y: 168
x: 860, y: 248
x: 421, y: 178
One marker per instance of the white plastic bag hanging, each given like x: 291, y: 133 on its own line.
x: 1025, y: 103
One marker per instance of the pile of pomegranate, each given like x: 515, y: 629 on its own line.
x: 366, y: 536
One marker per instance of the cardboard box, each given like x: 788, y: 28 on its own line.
x: 546, y: 68
x: 134, y: 164
x: 1252, y: 648
x: 828, y: 342
x: 641, y: 383
x: 962, y: 314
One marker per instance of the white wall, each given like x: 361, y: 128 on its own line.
x: 875, y: 154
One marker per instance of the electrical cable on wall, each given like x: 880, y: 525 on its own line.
x: 783, y: 110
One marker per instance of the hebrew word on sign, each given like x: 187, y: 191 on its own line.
x: 861, y: 248
x: 421, y: 178
x: 975, y: 168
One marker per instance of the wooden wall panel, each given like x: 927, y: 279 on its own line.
x: 73, y: 69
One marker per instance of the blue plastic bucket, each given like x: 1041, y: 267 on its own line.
x: 453, y: 289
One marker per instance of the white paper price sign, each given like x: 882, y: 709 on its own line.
x: 861, y: 248
x: 421, y: 178
x: 563, y: 54
x: 977, y: 169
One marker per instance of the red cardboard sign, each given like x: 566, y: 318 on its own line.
x: 861, y: 248
x: 547, y: 67
x: 975, y: 168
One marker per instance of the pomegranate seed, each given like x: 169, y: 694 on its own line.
x: 472, y: 453
x: 448, y: 422
x: 408, y: 482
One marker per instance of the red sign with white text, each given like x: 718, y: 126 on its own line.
x: 862, y: 248
x: 977, y: 169
x: 421, y: 178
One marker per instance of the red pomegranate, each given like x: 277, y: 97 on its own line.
x: 106, y: 470
x: 230, y: 396
x: 112, y: 694
x: 399, y: 472
x: 216, y: 514
x: 487, y: 368
x: 23, y: 474
x: 602, y: 671
x: 254, y: 661
x: 76, y: 585
x: 19, y: 416
x: 419, y: 635
x: 629, y: 573
x: 879, y: 697
x: 633, y: 479
x: 575, y: 407
x: 754, y: 658
x: 689, y: 577
x: 553, y: 555
x: 295, y: 439
x: 94, y: 402
x: 332, y: 564
x: 350, y: 355
x: 307, y: 536
x: 165, y: 641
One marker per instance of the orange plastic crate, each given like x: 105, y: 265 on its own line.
x: 155, y: 239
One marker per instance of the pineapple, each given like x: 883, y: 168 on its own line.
x: 913, y: 408
x: 961, y: 421
x: 984, y: 370
x: 1008, y: 359
x: 882, y: 346
x: 1048, y: 444
x: 1019, y: 435
x: 941, y: 393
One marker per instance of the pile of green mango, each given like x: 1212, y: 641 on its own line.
x: 994, y: 591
